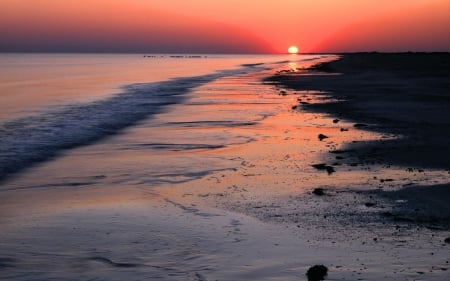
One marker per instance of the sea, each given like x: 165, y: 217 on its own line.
x: 52, y: 104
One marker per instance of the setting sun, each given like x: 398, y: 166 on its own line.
x: 293, y: 50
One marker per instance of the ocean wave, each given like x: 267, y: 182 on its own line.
x: 27, y: 141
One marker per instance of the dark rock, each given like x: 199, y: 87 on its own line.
x: 369, y: 204
x: 330, y: 170
x: 447, y: 240
x: 294, y: 107
x: 360, y: 125
x: 335, y: 121
x: 322, y: 136
x: 325, y: 167
x: 317, y: 273
x: 386, y: 180
x: 319, y: 191
x: 319, y: 166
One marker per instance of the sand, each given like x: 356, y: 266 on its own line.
x: 407, y: 95
x: 371, y: 133
x: 356, y: 199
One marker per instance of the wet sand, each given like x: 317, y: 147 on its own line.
x: 385, y: 126
x: 258, y: 213
x: 405, y: 98
x: 406, y: 95
x: 370, y: 135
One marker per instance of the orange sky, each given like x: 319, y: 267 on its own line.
x: 231, y: 26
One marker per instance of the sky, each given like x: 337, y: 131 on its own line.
x: 228, y: 26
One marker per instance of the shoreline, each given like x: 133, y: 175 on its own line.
x: 258, y: 215
x: 369, y: 204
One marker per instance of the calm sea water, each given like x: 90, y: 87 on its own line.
x: 31, y: 83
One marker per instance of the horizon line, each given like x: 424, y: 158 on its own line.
x: 230, y: 53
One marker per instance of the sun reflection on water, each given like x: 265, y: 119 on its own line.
x: 293, y: 66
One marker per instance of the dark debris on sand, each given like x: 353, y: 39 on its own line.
x: 321, y: 137
x: 317, y: 273
x: 324, y: 167
x: 318, y: 191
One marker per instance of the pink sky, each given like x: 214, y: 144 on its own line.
x: 232, y: 26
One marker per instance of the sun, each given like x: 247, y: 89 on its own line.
x: 293, y: 50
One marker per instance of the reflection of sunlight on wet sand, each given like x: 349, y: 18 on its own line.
x: 293, y: 66
x: 286, y: 145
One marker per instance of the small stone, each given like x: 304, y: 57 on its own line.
x: 319, y: 191
x: 329, y: 169
x: 447, y: 240
x: 335, y: 121
x: 325, y: 167
x: 322, y: 136
x: 317, y: 273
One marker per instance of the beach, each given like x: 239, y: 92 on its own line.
x: 377, y: 180
x: 252, y: 172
